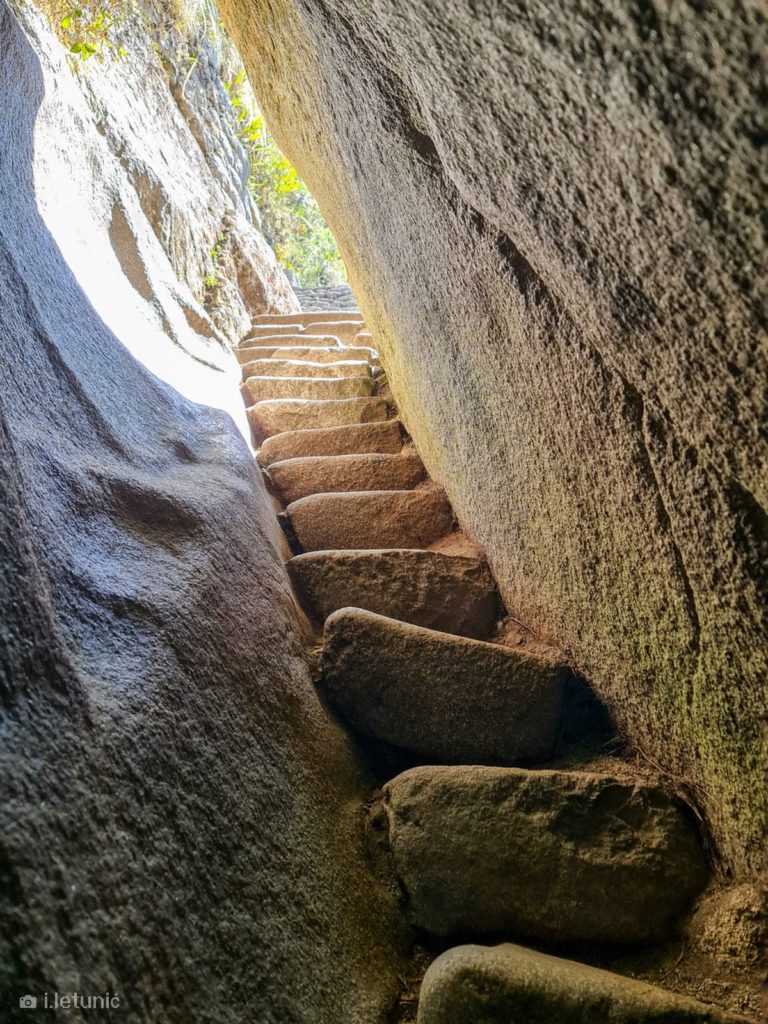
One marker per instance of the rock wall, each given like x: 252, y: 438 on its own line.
x: 549, y: 216
x: 181, y: 824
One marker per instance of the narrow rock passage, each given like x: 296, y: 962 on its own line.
x: 485, y: 843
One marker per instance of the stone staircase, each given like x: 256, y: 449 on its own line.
x: 485, y: 843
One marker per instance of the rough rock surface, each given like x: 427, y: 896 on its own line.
x: 444, y: 697
x: 179, y: 819
x: 506, y: 984
x: 286, y: 414
x: 549, y: 213
x: 393, y: 519
x: 315, y: 474
x: 385, y: 437
x: 566, y: 856
x: 451, y: 593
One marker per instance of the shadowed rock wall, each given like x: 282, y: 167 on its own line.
x: 181, y: 824
x: 549, y: 214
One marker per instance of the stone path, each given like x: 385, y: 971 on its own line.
x: 484, y: 841
x: 326, y: 297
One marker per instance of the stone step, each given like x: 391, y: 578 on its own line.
x: 309, y: 340
x: 262, y: 389
x: 554, y: 856
x: 306, y: 318
x: 454, y: 594
x: 324, y: 474
x: 370, y: 519
x: 305, y: 368
x: 327, y: 355
x: 260, y: 330
x: 251, y: 352
x: 283, y: 414
x: 316, y: 353
x: 345, y: 330
x: 385, y: 437
x: 508, y: 984
x: 445, y: 698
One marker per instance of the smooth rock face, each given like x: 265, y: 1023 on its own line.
x: 393, y: 519
x: 385, y: 437
x: 261, y: 389
x: 302, y: 368
x: 565, y: 856
x: 296, y: 478
x: 443, y: 697
x: 567, y: 303
x: 512, y: 985
x: 449, y: 593
x: 283, y: 414
x: 180, y: 818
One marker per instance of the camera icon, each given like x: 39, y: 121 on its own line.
x: 28, y: 1002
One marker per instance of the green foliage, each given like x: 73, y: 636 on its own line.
x: 292, y: 220
x: 89, y: 28
x: 215, y: 273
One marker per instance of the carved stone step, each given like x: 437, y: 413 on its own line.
x: 312, y: 339
x: 282, y: 414
x: 262, y: 389
x: 455, y: 594
x: 385, y: 437
x: 371, y: 519
x: 329, y: 354
x: 445, y: 698
x: 326, y: 354
x: 317, y: 474
x: 305, y: 368
x: 307, y: 318
x: 506, y: 984
x: 262, y: 330
x: 253, y: 351
x: 345, y: 330
x: 554, y: 856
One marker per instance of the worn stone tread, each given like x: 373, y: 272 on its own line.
x: 307, y: 318
x: 288, y: 414
x: 454, y: 594
x: 345, y: 330
x: 510, y: 984
x: 327, y: 354
x: 315, y: 474
x: 371, y: 519
x: 261, y: 389
x: 443, y: 697
x: 288, y: 327
x: 352, y: 439
x: 311, y: 339
x: 567, y: 857
x: 306, y: 368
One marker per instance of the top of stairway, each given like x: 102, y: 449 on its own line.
x: 325, y: 297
